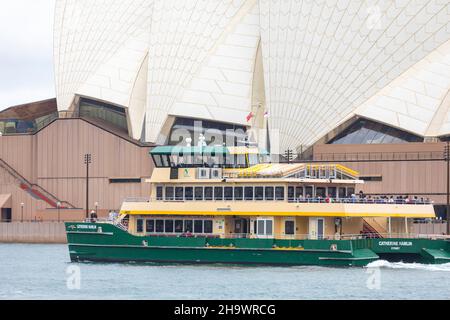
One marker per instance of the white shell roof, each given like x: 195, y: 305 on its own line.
x: 324, y: 61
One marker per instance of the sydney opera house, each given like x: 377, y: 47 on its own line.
x: 361, y: 82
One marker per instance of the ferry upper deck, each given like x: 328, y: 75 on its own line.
x: 235, y: 192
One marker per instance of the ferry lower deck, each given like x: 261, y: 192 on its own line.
x: 106, y: 242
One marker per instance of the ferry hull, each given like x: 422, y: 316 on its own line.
x: 107, y: 243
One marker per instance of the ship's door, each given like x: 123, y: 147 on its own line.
x: 316, y: 228
x: 241, y: 227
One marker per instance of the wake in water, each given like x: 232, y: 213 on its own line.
x: 413, y: 266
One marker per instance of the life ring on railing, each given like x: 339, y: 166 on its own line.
x: 337, y: 236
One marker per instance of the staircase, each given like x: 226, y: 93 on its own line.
x: 372, y: 229
x: 35, y: 190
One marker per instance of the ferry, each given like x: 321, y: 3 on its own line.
x: 231, y: 205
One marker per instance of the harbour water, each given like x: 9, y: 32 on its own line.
x: 45, y: 272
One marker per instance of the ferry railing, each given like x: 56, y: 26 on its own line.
x: 290, y: 200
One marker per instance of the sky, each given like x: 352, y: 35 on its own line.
x: 26, y: 51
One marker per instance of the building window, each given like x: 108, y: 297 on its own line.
x: 125, y: 180
x: 140, y: 225
x: 371, y: 178
x: 365, y: 131
x: 106, y: 112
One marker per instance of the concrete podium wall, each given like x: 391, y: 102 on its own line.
x: 32, y: 232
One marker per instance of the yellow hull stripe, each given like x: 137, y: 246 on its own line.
x: 277, y: 213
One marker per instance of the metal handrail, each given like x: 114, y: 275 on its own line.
x: 290, y: 200
x: 30, y: 185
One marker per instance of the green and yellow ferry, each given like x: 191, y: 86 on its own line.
x: 231, y: 205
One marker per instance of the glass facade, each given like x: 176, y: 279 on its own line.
x: 364, y: 131
x: 216, y: 133
x: 15, y: 126
x: 98, y: 110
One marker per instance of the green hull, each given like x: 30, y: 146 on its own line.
x: 107, y: 243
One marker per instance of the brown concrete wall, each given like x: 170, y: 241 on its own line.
x: 32, y: 232
x: 424, y: 178
x: 54, y: 159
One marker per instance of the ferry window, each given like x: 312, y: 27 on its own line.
x: 309, y: 191
x: 150, y: 226
x: 198, y: 226
x: 188, y: 226
x: 168, y: 226
x: 342, y: 193
x: 238, y: 193
x: 218, y: 193
x: 264, y: 227
x: 298, y: 192
x: 320, y: 192
x: 291, y: 193
x: 253, y: 159
x: 279, y: 193
x: 178, y: 226
x: 269, y: 193
x: 289, y: 227
x: 140, y: 225
x: 199, y: 193
x: 228, y: 193
x: 159, y: 226
x: 165, y: 161
x: 240, y: 161
x: 261, y: 230
x: 269, y: 227
x: 179, y: 192
x: 248, y: 192
x: 208, y: 226
x: 169, y: 194
x: 189, y: 193
x: 157, y: 160
x: 159, y: 193
x: 259, y: 193
x: 332, y: 192
x: 208, y: 193
x: 350, y: 191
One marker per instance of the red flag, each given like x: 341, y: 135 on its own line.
x: 250, y: 116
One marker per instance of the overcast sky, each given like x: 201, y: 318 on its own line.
x: 26, y: 51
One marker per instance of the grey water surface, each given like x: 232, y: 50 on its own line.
x: 45, y: 272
